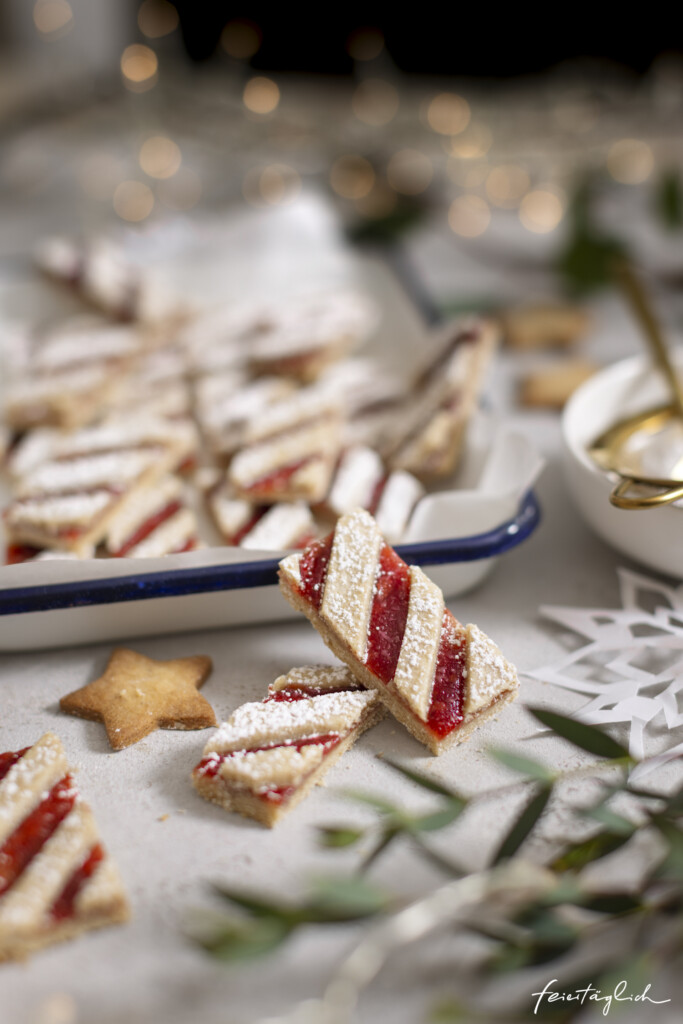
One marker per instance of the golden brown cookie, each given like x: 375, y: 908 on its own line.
x: 137, y: 695
x: 528, y: 327
x: 551, y: 387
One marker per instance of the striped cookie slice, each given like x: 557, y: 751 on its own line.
x: 266, y: 758
x: 56, y: 879
x: 388, y: 622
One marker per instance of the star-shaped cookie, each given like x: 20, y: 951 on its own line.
x: 137, y: 695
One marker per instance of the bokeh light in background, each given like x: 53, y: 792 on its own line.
x: 541, y: 210
x: 352, y: 177
x: 261, y: 95
x: 365, y: 44
x: 469, y: 216
x: 409, y: 171
x: 505, y: 185
x: 160, y: 157
x: 448, y: 113
x: 375, y: 102
x: 272, y: 185
x: 474, y: 142
x: 133, y: 200
x: 241, y: 39
x: 52, y: 18
x: 157, y: 18
x: 630, y: 161
x: 139, y: 66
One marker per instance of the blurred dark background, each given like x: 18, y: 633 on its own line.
x: 477, y: 40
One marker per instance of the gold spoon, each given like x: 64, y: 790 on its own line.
x: 607, y: 450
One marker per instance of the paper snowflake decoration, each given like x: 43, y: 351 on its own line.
x: 631, y: 665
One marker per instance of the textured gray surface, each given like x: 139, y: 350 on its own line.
x: 147, y: 972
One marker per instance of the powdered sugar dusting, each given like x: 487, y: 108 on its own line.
x: 274, y: 722
x: 260, y: 770
x: 489, y: 674
x: 359, y: 472
x: 323, y: 677
x: 281, y: 527
x: 27, y: 781
x: 401, y: 493
x: 414, y: 677
x: 349, y: 583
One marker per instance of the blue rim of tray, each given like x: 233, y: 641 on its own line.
x: 242, y: 575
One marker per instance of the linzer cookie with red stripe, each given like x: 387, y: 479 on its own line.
x: 261, y: 527
x: 387, y: 621
x: 69, y: 503
x: 56, y: 879
x: 266, y: 758
x: 307, y: 333
x: 361, y: 481
x: 429, y: 429
x: 289, y: 451
x: 153, y: 522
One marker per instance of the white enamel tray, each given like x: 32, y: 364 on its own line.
x: 459, y: 534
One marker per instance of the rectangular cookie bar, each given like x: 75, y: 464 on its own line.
x: 266, y: 758
x: 56, y: 879
x: 387, y: 621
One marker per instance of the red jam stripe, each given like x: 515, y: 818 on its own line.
x: 388, y: 615
x: 9, y: 759
x: 448, y: 693
x: 65, y: 904
x: 279, y: 478
x: 148, y: 527
x: 18, y: 553
x: 28, y: 839
x: 238, y: 537
x: 189, y: 545
x: 377, y: 495
x: 312, y: 569
x: 209, y: 766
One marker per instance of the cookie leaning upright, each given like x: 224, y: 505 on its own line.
x: 388, y: 622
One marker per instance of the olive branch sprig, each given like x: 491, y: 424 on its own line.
x: 529, y: 914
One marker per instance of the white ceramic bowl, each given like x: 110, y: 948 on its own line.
x: 651, y: 536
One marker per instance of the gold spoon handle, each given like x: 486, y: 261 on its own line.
x: 640, y: 304
x: 621, y: 498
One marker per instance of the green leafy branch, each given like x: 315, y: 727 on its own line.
x: 527, y: 914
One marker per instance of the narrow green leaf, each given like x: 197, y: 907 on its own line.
x: 614, y: 822
x: 345, y: 898
x: 587, y: 737
x: 245, y: 941
x: 437, y: 859
x: 378, y: 802
x: 522, y: 765
x: 672, y: 865
x: 437, y: 819
x: 523, y: 825
x: 426, y: 782
x: 575, y: 857
x: 386, y: 839
x: 612, y: 904
x: 337, y: 838
x: 669, y: 200
x: 258, y: 906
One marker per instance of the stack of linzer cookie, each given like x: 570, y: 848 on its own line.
x: 261, y: 414
x: 402, y: 650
